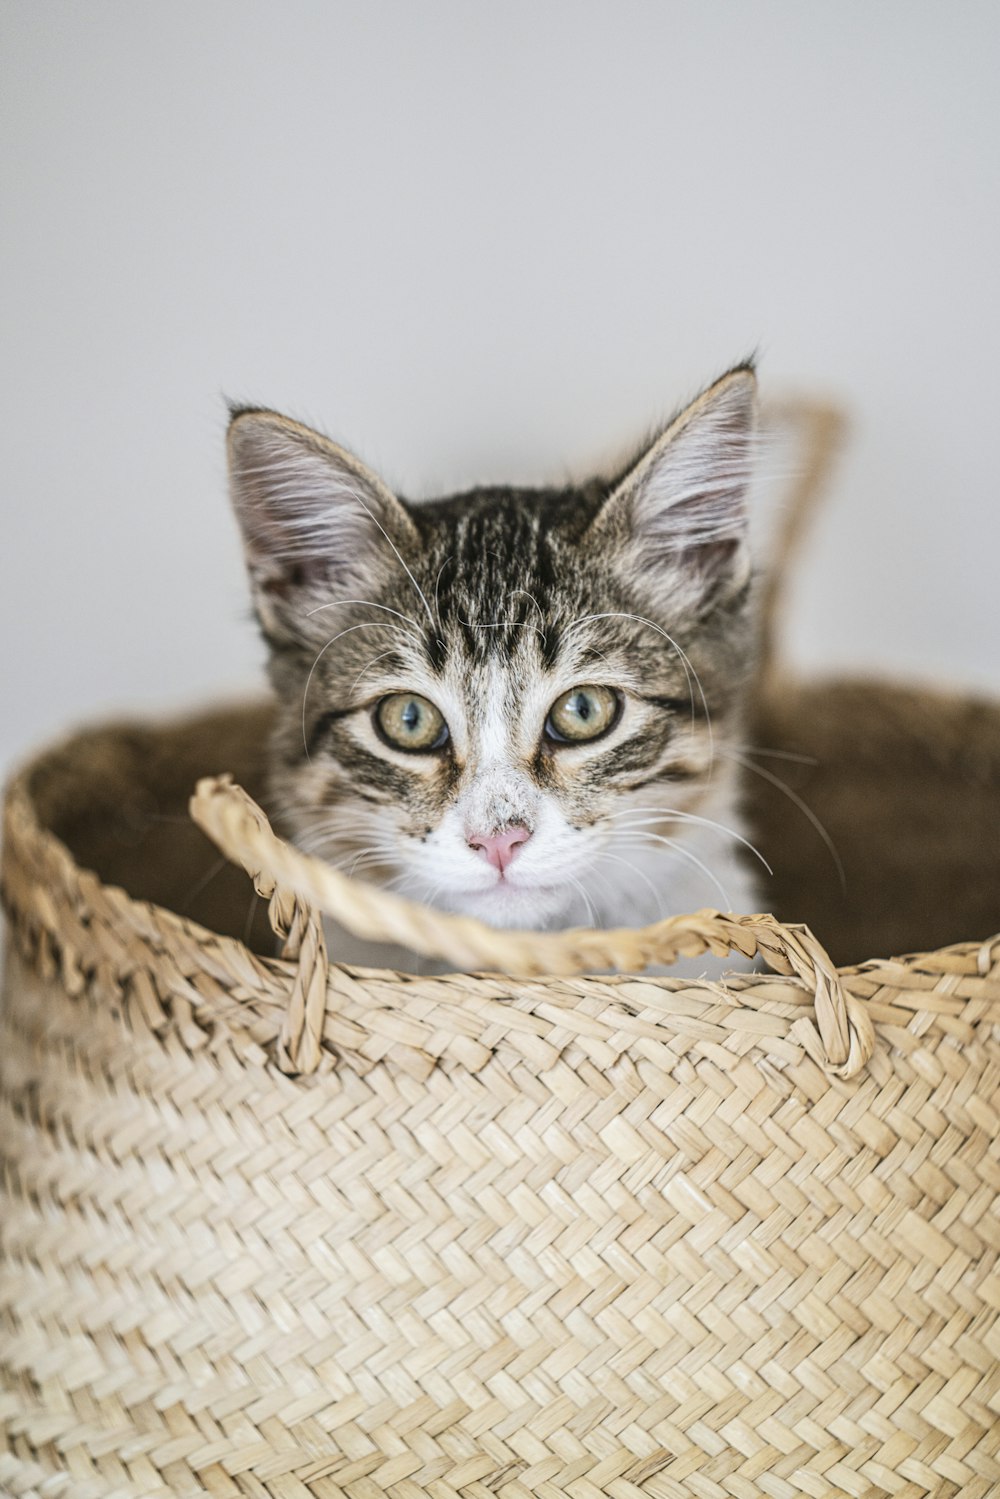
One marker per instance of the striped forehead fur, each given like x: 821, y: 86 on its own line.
x: 489, y: 605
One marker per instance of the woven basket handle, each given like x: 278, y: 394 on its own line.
x: 820, y: 427
x: 298, y: 886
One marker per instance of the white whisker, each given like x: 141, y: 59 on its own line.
x: 370, y: 624
x: 775, y: 754
x: 669, y: 813
x: 375, y: 659
x: 399, y: 557
x: 796, y: 800
x: 437, y: 586
x: 501, y: 624
x: 686, y: 853
x: 588, y: 908
x: 634, y: 869
x: 523, y: 593
x: 609, y: 894
x: 201, y: 884
x: 689, y: 670
x: 367, y: 604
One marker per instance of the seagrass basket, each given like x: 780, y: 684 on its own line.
x: 278, y: 1227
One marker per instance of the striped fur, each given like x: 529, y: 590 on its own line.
x: 492, y: 604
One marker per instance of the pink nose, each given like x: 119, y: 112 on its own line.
x: 499, y: 848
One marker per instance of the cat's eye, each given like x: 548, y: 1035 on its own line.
x: 409, y: 722
x: 583, y: 713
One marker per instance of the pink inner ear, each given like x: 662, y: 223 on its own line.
x: 291, y: 577
x: 311, y: 514
x: 709, y: 558
x: 717, y: 516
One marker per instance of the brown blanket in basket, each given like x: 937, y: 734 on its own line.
x: 906, y: 784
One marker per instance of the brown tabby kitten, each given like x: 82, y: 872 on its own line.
x: 520, y: 704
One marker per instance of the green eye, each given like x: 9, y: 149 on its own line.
x: 409, y: 722
x: 583, y: 713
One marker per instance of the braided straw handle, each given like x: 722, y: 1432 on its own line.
x: 821, y: 427
x: 299, y: 886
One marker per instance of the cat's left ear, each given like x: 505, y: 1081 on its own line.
x: 678, y: 519
x: 318, y: 526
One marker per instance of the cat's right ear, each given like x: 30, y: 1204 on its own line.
x: 677, y: 520
x: 318, y: 526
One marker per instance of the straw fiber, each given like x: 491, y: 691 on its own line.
x: 275, y: 1227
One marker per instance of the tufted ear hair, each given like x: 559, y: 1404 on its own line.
x: 678, y: 519
x: 317, y: 524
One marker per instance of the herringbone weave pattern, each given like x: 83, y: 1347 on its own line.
x: 279, y: 1229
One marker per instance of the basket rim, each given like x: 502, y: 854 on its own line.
x: 64, y: 917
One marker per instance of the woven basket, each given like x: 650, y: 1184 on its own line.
x: 278, y: 1227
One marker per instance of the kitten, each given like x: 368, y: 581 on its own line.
x: 518, y: 704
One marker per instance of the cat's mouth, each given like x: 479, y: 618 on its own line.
x: 516, y: 903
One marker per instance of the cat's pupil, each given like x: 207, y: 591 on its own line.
x: 583, y: 713
x: 410, y: 722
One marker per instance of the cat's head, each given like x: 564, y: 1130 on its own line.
x: 488, y: 701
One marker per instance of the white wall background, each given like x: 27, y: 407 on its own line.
x: 481, y: 241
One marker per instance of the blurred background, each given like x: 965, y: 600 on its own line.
x: 483, y: 242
